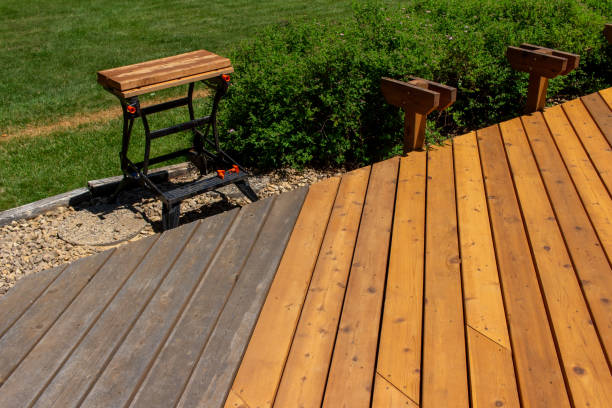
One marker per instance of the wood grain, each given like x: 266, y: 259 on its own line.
x: 19, y: 340
x: 399, y: 352
x: 305, y: 373
x: 25, y: 292
x: 589, y: 259
x: 262, y: 366
x: 387, y: 396
x: 539, y: 373
x: 595, y: 198
x: 444, y: 374
x: 492, y: 377
x: 29, y: 379
x: 583, y: 360
x: 123, y: 375
x: 212, y: 377
x: 171, y: 370
x: 595, y: 144
x: 161, y: 70
x: 601, y: 113
x: 355, y: 349
x: 78, y: 374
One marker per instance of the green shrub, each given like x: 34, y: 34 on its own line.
x: 310, y: 93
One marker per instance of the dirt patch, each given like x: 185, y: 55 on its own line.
x: 73, y: 121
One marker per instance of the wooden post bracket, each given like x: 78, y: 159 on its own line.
x: 542, y: 64
x: 608, y: 32
x: 417, y: 98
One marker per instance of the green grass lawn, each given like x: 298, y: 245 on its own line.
x: 51, y: 51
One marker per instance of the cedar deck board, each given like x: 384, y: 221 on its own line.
x: 162, y: 70
x: 534, y: 183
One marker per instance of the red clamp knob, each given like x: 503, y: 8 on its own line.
x: 226, y: 77
x: 235, y: 169
x: 221, y: 174
x: 131, y: 109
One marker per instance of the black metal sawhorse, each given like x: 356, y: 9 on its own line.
x: 205, y: 153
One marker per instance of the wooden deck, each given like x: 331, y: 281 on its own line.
x: 475, y: 274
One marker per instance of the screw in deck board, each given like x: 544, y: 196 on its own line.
x: 417, y: 98
x: 542, y: 64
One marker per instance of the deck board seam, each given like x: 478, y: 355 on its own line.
x: 462, y: 281
x: 495, y: 240
x: 536, y: 268
x: 395, y: 387
x: 424, y: 298
x: 136, y: 318
x: 487, y: 337
x: 93, y: 323
x: 186, y: 303
x: 235, y: 394
x: 348, y: 278
x: 111, y: 252
x: 384, y: 290
x: 64, y: 267
x: 203, y: 348
x: 305, y: 296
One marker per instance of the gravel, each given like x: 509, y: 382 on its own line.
x: 32, y: 245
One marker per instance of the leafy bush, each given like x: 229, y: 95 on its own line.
x: 310, y: 93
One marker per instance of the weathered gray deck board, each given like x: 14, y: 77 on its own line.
x: 79, y: 373
x: 23, y: 294
x: 212, y: 376
x: 42, y: 362
x: 171, y: 370
x: 155, y: 323
x: 34, y: 323
x: 121, y: 378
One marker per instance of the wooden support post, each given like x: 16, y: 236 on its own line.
x: 608, y: 32
x: 417, y: 98
x: 541, y: 63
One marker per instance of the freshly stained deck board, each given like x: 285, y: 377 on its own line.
x: 262, y: 366
x: 576, y: 338
x: 484, y: 306
x: 444, y: 376
x: 588, y: 257
x: 387, y: 396
x: 355, y: 349
x: 211, y: 379
x: 305, y: 372
x: 593, y: 193
x: 78, y: 374
x: 592, y: 139
x: 399, y: 352
x: 130, y: 363
x: 539, y: 374
x: 489, y: 348
x: 29, y: 379
x: 170, y: 372
x: 17, y: 342
x: 24, y: 294
x: 492, y: 379
x: 601, y: 113
x: 606, y: 95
